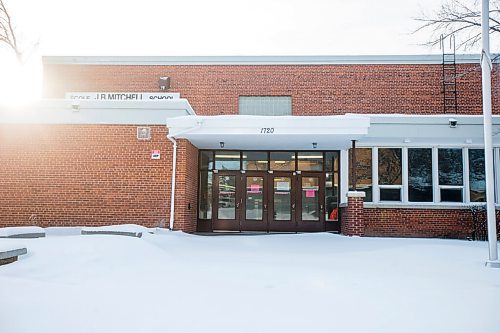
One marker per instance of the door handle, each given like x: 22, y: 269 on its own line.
x: 265, y: 206
x: 321, y: 208
x: 293, y: 206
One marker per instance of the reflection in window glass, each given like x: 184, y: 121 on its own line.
x: 227, y: 160
x: 331, y: 196
x: 332, y: 161
x: 205, y: 200
x: 420, y: 174
x: 451, y: 194
x: 227, y: 198
x: 282, y: 202
x: 254, y: 198
x: 255, y: 160
x: 310, y: 198
x: 310, y: 161
x: 389, y: 166
x: 282, y: 161
x: 363, y: 171
x: 477, y: 181
x: 390, y: 194
x: 206, y: 160
x: 450, y: 166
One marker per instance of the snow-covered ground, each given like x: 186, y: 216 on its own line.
x: 174, y: 282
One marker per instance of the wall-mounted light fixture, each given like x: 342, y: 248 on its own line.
x: 164, y: 83
x: 221, y: 144
x: 75, y: 106
x: 452, y: 122
x: 315, y: 145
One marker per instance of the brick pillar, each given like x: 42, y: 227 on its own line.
x: 186, y: 188
x: 354, y: 223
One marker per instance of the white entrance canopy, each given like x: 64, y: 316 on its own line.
x: 270, y: 132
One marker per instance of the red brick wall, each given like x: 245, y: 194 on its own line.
x: 76, y: 175
x: 410, y: 222
x: 186, y: 197
x: 315, y: 89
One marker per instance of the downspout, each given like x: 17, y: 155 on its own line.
x: 172, y: 194
x: 174, y: 170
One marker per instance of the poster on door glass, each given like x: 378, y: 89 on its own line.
x: 283, y: 186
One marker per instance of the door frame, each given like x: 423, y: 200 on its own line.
x: 226, y: 224
x: 282, y: 225
x: 308, y: 225
x: 254, y: 225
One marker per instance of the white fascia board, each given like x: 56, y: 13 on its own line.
x: 241, y: 124
x: 257, y: 60
x: 56, y: 111
x: 427, y: 130
x: 265, y: 132
x: 401, y: 118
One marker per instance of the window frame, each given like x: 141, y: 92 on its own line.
x: 436, y: 187
x: 465, y: 177
x: 263, y: 97
x: 390, y: 187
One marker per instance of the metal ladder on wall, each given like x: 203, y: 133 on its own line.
x: 449, y: 79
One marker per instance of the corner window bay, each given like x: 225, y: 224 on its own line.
x: 422, y: 175
x: 268, y: 190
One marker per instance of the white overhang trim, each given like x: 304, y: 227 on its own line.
x: 60, y: 111
x: 427, y: 130
x: 270, y: 132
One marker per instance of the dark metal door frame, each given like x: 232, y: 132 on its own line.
x: 282, y: 225
x: 226, y: 224
x: 253, y: 224
x: 311, y: 225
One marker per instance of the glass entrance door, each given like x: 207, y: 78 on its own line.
x: 310, y: 202
x: 269, y: 191
x: 282, y: 202
x: 227, y: 201
x: 255, y: 202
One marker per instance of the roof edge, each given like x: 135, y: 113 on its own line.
x: 256, y: 60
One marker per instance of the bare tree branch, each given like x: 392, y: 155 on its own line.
x: 459, y: 18
x: 7, y: 33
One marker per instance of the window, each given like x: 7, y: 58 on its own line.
x: 450, y: 166
x: 332, y: 186
x: 310, y: 161
x: 420, y: 175
x: 265, y: 105
x: 363, y: 172
x: 390, y: 174
x: 227, y: 160
x: 282, y: 161
x: 477, y: 180
x: 206, y: 160
x: 205, y: 200
x: 255, y: 160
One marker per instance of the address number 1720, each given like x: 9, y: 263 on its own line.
x: 267, y: 130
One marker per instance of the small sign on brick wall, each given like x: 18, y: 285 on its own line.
x: 155, y: 154
x: 143, y: 133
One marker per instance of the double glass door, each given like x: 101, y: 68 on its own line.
x: 262, y: 201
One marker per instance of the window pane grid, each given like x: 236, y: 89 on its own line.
x: 265, y: 105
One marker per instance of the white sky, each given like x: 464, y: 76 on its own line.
x: 217, y: 27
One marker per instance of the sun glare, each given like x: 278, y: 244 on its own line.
x: 19, y: 84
